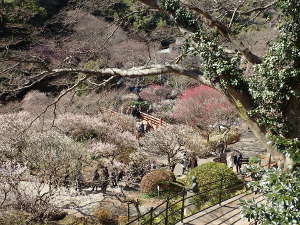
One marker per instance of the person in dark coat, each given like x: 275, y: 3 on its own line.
x: 121, y: 174
x: 105, y: 180
x: 135, y: 112
x: 114, y: 178
x: 237, y: 159
x: 96, y: 180
x: 193, y: 162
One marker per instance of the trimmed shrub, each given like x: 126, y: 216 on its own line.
x: 216, y: 182
x: 163, y: 178
x: 122, y: 220
x: 105, y: 217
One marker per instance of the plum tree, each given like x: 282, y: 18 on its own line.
x: 205, y: 108
x: 267, y: 99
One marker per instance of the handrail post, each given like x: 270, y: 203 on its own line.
x: 151, y: 216
x: 128, y: 211
x: 167, y: 211
x: 182, y: 207
x: 221, y: 190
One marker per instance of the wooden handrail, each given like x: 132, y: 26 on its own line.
x: 152, y: 120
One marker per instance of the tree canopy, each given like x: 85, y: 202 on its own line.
x: 265, y: 90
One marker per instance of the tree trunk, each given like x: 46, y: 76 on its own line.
x: 169, y: 163
x: 244, y: 103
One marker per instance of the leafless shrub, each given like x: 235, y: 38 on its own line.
x: 31, y: 197
x: 137, y: 166
x: 121, y: 122
x: 83, y: 127
x: 33, y: 164
x: 35, y: 102
x: 105, y: 217
x: 166, y: 142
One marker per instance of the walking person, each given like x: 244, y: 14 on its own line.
x: 96, y: 180
x: 79, y: 181
x: 121, y: 175
x: 193, y: 161
x: 136, y: 112
x: 140, y: 129
x: 237, y: 159
x: 185, y: 163
x: 229, y: 160
x: 239, y: 162
x: 114, y: 178
x: 105, y: 179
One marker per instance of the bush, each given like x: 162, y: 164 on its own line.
x: 105, y: 217
x: 155, y: 93
x: 163, y: 178
x: 254, y: 160
x: 22, y: 11
x: 213, y: 178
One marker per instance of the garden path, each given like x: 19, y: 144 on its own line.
x: 227, y: 213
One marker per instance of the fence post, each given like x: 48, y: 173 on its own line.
x: 221, y: 190
x: 151, y: 216
x: 182, y: 206
x: 128, y: 211
x: 167, y: 211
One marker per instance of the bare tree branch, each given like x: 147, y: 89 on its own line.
x: 258, y: 9
x: 10, y: 68
x: 235, y: 11
x: 222, y: 29
x: 101, y: 84
x: 55, y: 102
x: 115, y: 72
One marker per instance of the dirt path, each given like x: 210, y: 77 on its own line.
x: 248, y: 145
x: 73, y: 202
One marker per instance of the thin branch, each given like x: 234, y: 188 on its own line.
x: 32, y: 59
x: 55, y: 102
x: 222, y: 28
x: 235, y: 11
x: 43, y: 76
x: 258, y: 9
x: 119, y: 23
x: 101, y: 84
x: 10, y: 68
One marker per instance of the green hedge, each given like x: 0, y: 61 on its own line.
x: 216, y: 182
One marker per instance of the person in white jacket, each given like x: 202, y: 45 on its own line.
x: 229, y: 159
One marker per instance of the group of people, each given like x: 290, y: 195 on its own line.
x: 235, y: 159
x: 189, y: 161
x: 142, y: 126
x: 103, y: 178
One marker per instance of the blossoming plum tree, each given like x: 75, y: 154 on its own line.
x: 205, y: 108
x: 267, y: 99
